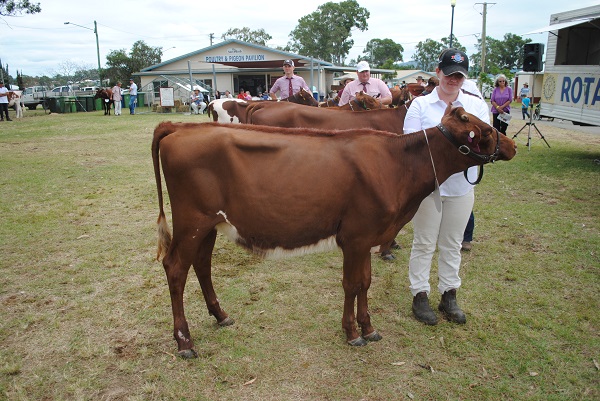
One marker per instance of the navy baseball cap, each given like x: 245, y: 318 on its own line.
x: 453, y: 60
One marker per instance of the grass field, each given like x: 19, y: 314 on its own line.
x: 85, y: 311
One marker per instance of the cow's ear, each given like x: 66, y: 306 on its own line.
x: 448, y: 109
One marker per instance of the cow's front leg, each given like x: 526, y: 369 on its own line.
x: 354, y: 263
x: 362, y: 308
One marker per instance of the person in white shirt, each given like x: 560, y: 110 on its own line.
x: 3, y: 102
x: 444, y: 228
x: 132, y: 96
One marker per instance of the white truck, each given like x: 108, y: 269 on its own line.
x: 571, y: 86
x: 33, y: 96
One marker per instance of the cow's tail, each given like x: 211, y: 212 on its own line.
x: 164, y: 233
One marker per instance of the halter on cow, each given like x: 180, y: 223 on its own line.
x: 107, y: 100
x: 273, y: 191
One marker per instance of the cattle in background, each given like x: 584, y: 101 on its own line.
x: 107, y: 101
x: 292, y: 116
x: 234, y: 110
x: 283, y: 192
x: 362, y: 101
x: 400, y: 96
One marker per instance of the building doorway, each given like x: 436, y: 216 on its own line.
x: 256, y: 84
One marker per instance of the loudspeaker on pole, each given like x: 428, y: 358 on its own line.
x: 532, y: 57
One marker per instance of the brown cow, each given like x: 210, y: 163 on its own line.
x: 281, y: 192
x: 107, y: 101
x: 293, y: 116
x: 234, y: 110
x: 400, y: 96
x: 362, y: 101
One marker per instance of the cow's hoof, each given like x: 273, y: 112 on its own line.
x: 374, y: 336
x: 226, y: 322
x: 188, y: 354
x: 358, y: 342
x: 387, y: 257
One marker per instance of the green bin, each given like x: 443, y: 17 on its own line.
x: 80, y: 104
x: 90, y: 104
x: 52, y: 105
x: 61, y: 104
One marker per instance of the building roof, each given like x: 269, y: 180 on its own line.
x: 299, y: 60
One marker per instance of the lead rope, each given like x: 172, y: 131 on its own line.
x: 437, y: 184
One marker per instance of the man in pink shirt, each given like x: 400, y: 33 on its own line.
x: 289, y: 84
x: 372, y: 86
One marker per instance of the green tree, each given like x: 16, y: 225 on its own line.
x: 427, y: 54
x: 508, y: 52
x: 122, y: 65
x: 14, y: 7
x: 20, y: 80
x: 381, y: 51
x: 259, y: 36
x: 325, y: 33
x: 455, y: 44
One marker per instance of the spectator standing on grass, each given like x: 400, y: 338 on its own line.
x: 3, y: 102
x: 289, y: 84
x: 442, y: 217
x: 117, y: 96
x: 501, y: 99
x: 132, y: 96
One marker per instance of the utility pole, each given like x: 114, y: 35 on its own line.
x: 483, y: 35
x: 214, y: 85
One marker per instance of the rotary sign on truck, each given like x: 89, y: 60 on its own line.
x: 571, y: 86
x: 572, y: 96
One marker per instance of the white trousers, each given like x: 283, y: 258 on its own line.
x: 444, y: 228
x: 195, y: 108
x: 117, y: 104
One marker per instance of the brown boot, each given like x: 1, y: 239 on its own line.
x: 450, y: 309
x: 422, y: 310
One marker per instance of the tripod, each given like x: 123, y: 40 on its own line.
x: 531, y: 123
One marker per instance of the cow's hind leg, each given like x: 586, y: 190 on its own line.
x: 177, y: 268
x: 202, y: 267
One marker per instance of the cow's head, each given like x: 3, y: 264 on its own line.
x: 476, y: 138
